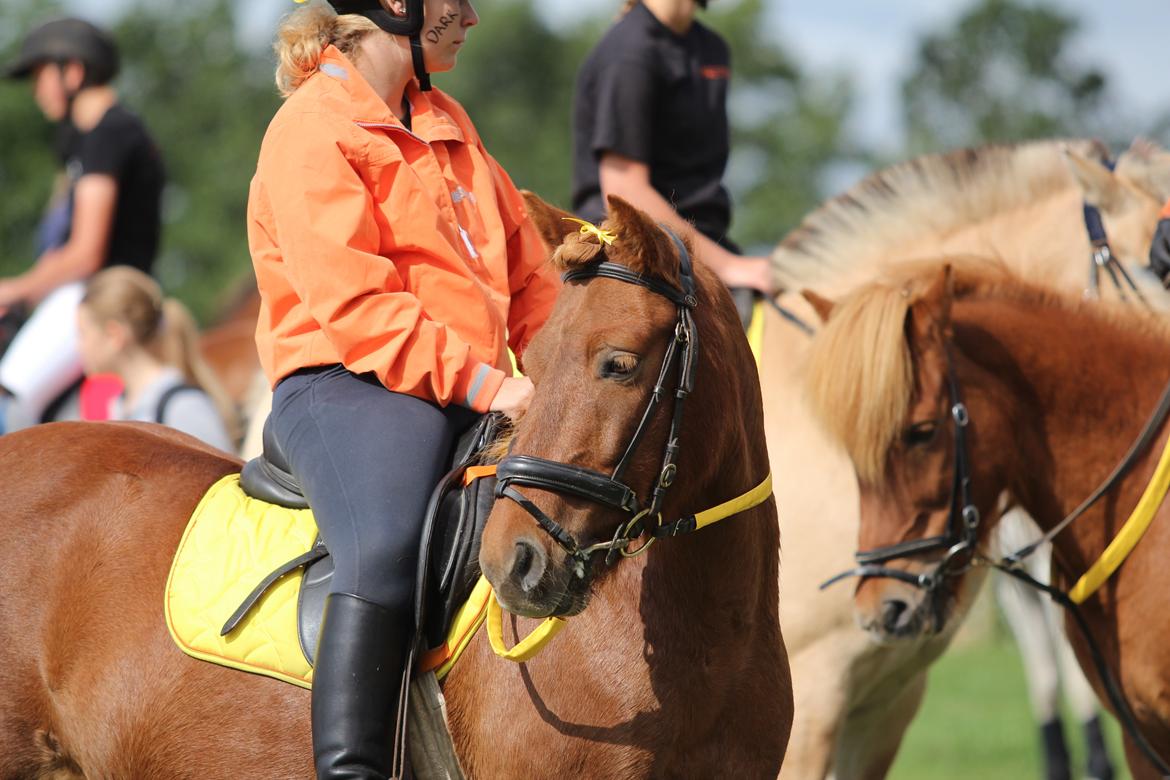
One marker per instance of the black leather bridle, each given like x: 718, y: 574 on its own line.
x: 610, y: 490
x: 960, y: 536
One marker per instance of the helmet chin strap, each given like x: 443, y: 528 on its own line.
x: 420, y: 68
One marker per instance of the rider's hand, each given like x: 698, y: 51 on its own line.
x: 513, y: 396
x: 753, y: 272
x: 1160, y: 252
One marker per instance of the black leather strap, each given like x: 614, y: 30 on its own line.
x: 561, y: 477
x: 318, y: 552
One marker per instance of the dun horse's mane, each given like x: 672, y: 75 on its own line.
x: 860, y: 376
x: 932, y: 194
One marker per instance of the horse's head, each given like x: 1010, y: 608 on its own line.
x: 582, y: 442
x: 887, y: 382
x: 1129, y: 197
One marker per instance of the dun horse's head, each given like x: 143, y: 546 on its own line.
x: 594, y: 365
x: 888, y: 383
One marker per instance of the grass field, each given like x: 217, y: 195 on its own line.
x: 976, y: 724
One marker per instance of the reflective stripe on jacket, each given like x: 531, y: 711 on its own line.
x: 406, y: 253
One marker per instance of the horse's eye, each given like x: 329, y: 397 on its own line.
x: 619, y: 365
x: 920, y: 434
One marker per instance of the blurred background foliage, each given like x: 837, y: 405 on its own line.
x: 1000, y: 72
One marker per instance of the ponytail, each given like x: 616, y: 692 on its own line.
x: 303, y: 36
x: 176, y: 344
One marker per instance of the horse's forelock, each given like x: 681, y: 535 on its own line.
x: 860, y: 376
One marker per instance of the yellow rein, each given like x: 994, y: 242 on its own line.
x: 542, y: 634
x: 1130, y: 534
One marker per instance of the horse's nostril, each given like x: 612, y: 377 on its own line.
x: 893, y: 611
x: 528, y: 565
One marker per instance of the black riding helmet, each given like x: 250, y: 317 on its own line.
x: 410, y: 25
x: 66, y: 40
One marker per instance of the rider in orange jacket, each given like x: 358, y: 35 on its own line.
x: 1160, y: 248
x: 396, y: 266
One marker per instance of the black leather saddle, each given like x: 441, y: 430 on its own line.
x: 449, y: 550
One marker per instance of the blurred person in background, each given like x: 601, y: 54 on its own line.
x: 107, y: 214
x: 396, y: 266
x: 128, y: 329
x: 650, y: 124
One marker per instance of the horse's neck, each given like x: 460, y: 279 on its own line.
x: 1086, y: 387
x: 1043, y: 241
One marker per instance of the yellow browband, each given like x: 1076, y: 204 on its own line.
x: 540, y: 636
x: 1130, y: 534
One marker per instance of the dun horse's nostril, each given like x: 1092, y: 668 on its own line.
x: 528, y: 565
x: 892, y: 614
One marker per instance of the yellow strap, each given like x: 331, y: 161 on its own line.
x: 540, y: 636
x: 526, y: 647
x: 755, y: 331
x: 1130, y: 534
x: 753, y: 498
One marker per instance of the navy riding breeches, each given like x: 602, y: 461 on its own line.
x: 367, y: 460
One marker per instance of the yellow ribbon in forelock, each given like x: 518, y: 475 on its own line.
x: 589, y: 229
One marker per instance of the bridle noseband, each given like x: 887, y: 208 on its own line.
x: 960, y: 536
x: 610, y: 490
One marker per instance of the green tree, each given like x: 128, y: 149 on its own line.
x: 1003, y: 72
x: 27, y: 161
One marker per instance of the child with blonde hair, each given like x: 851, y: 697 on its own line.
x: 126, y: 327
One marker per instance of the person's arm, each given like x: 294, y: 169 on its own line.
x: 630, y: 179
x: 94, y: 200
x: 532, y: 282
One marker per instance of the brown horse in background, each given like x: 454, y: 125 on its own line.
x: 855, y: 698
x: 672, y: 664
x: 1056, y: 391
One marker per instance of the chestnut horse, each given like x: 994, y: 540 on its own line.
x: 671, y: 664
x: 1056, y: 390
x: 855, y: 698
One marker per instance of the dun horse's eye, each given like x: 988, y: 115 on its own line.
x: 920, y: 434
x: 619, y: 365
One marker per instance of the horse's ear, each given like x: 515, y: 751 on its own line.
x: 550, y: 221
x: 822, y: 306
x: 1100, y: 186
x: 1147, y: 165
x: 932, y: 310
x: 641, y: 244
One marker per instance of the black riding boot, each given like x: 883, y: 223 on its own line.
x: 356, y: 678
x: 1056, y: 761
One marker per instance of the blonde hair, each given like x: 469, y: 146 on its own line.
x: 629, y: 6
x: 163, y: 326
x: 305, y: 33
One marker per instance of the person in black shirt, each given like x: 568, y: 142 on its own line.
x: 650, y: 124
x: 109, y: 214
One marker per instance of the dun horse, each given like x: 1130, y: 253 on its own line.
x: 672, y: 663
x: 855, y: 698
x: 950, y: 392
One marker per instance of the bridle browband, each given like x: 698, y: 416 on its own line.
x: 610, y: 490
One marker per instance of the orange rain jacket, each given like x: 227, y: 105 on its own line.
x: 407, y: 253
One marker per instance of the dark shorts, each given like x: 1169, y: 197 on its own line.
x: 367, y: 460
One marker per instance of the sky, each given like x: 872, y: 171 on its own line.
x: 874, y: 41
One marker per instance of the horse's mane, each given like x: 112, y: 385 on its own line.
x: 860, y: 378
x: 932, y: 194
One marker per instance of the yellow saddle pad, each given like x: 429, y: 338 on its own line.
x: 232, y: 542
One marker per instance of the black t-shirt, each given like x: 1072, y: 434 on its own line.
x: 652, y: 95
x: 119, y: 146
